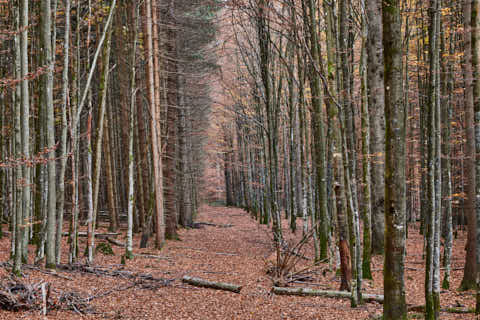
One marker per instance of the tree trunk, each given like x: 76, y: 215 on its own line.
x: 394, y: 286
x: 25, y: 129
x: 475, y: 23
x: 376, y: 99
x: 18, y: 213
x: 432, y: 293
x: 154, y: 130
x: 468, y: 281
x: 48, y: 103
x: 171, y: 139
x: 447, y: 85
x: 63, y: 141
x: 131, y: 196
x: 104, y: 80
x: 366, y: 163
x: 319, y: 137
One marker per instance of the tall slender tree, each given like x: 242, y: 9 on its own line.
x: 468, y: 281
x: 394, y: 287
x: 375, y: 74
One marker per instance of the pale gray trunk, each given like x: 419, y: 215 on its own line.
x: 438, y: 168
x: 18, y: 213
x: 63, y: 141
x: 73, y: 254
x: 100, y: 125
x: 431, y: 274
x: 376, y: 99
x: 90, y: 230
x: 447, y: 118
x: 48, y: 104
x: 302, y: 172
x: 25, y: 127
x: 468, y: 281
x: 131, y: 196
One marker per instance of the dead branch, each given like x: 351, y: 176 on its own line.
x: 115, y: 242
x: 199, y: 224
x: 211, y: 284
x: 49, y: 272
x: 204, y: 250
x: 17, y: 296
x: 99, y: 271
x: 457, y: 310
x: 325, y: 293
x: 151, y: 256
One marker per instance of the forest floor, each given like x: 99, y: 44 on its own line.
x: 233, y: 251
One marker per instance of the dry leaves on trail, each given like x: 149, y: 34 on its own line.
x: 228, y: 247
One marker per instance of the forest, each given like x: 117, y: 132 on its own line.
x: 239, y: 159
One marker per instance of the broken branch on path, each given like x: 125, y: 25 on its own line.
x: 457, y: 310
x: 325, y: 293
x: 205, y: 250
x: 212, y: 284
x: 113, y: 273
x: 115, y: 242
x: 198, y: 224
x: 97, y: 235
x: 150, y: 256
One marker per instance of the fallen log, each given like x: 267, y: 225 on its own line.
x: 97, y: 235
x: 150, y: 256
x: 205, y: 250
x: 452, y: 309
x: 115, y: 242
x: 211, y: 284
x: 198, y: 224
x: 325, y: 293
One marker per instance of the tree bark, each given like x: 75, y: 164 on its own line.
x: 432, y: 292
x: 475, y: 23
x: 133, y: 91
x: 394, y: 287
x: 468, y: 281
x: 154, y: 130
x: 18, y: 213
x: 63, y: 141
x: 376, y: 93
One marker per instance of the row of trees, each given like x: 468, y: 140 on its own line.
x: 103, y: 107
x: 360, y: 109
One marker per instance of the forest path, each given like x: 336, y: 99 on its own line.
x: 233, y: 251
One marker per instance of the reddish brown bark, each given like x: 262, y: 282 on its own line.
x: 345, y: 266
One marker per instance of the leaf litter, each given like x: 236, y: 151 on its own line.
x: 227, y: 245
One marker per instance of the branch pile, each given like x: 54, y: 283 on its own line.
x: 74, y: 301
x: 283, y: 265
x: 17, y: 296
x: 110, y: 272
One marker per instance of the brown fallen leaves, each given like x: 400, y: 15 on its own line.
x: 151, y: 288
